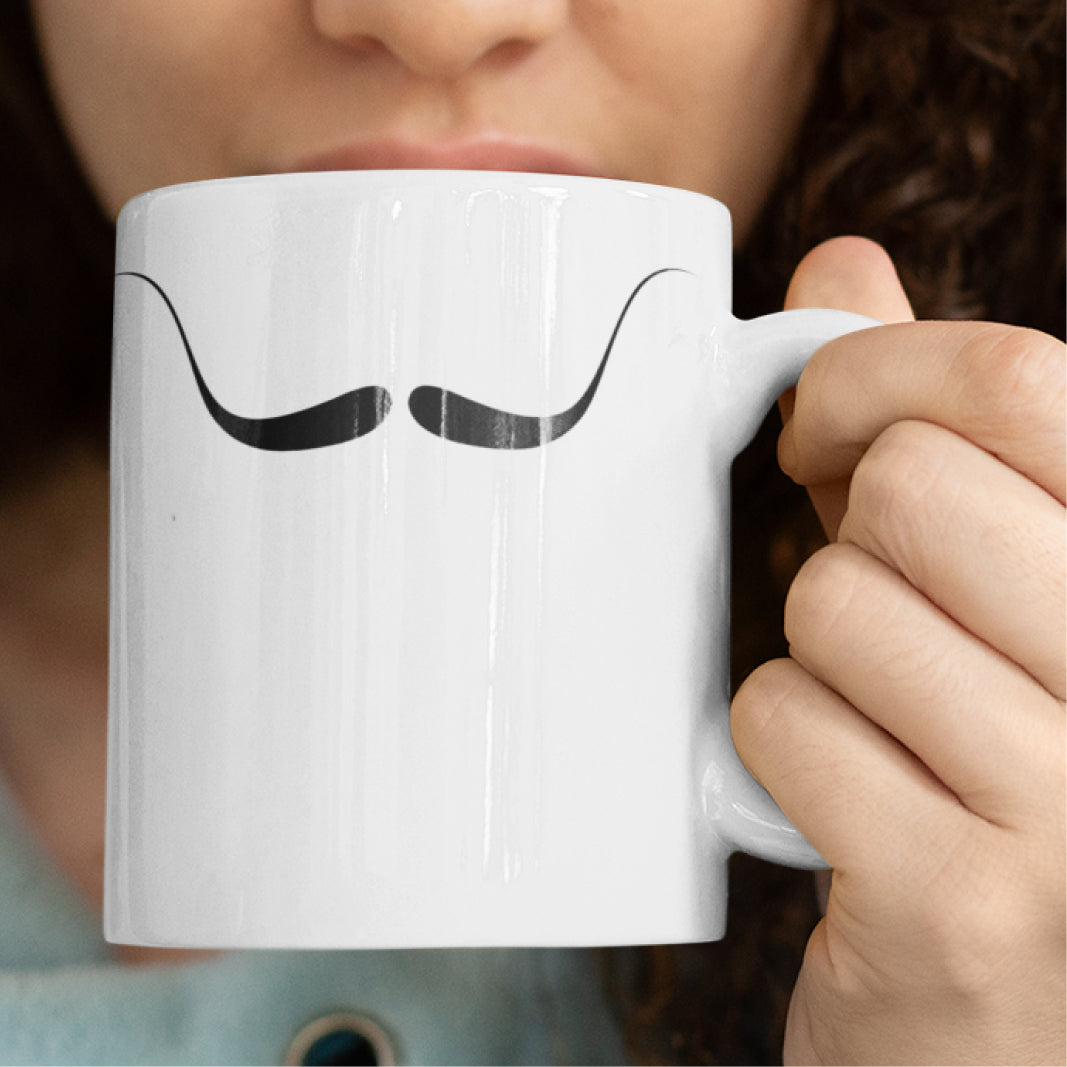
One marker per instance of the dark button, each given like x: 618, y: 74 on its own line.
x: 342, y: 1038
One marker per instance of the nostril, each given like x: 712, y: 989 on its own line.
x: 362, y: 43
x: 507, y: 53
x: 441, y: 39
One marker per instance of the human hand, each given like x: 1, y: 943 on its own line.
x: 916, y: 736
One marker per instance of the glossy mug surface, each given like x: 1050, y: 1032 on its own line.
x: 420, y: 562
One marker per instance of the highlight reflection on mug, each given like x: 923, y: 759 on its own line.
x: 354, y: 414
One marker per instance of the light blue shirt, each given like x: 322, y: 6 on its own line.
x: 63, y: 1000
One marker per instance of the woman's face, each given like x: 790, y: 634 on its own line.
x: 701, y: 94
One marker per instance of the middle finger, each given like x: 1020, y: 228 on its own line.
x: 981, y: 541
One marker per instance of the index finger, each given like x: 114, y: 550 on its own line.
x: 1001, y: 387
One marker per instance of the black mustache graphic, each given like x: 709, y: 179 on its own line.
x: 344, y: 418
x: 445, y: 414
x: 458, y: 418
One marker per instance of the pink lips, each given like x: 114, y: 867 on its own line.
x: 478, y: 154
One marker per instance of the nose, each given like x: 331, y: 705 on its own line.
x: 439, y: 39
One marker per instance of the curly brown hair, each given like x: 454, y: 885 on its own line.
x: 56, y: 266
x: 937, y: 129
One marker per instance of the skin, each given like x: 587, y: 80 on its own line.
x: 708, y: 99
x: 916, y: 733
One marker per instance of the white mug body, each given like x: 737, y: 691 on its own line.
x: 390, y: 671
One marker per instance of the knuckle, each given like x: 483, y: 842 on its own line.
x: 823, y: 594
x: 903, y: 464
x: 769, y: 721
x: 814, y: 419
x: 1013, y: 378
x: 908, y: 466
x: 755, y: 709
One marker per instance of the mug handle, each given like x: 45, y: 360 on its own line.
x: 774, y: 350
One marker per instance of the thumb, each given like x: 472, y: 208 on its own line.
x: 849, y: 274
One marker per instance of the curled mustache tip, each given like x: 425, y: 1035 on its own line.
x: 335, y: 421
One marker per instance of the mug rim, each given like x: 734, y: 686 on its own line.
x: 431, y: 177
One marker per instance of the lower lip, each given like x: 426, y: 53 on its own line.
x: 478, y: 156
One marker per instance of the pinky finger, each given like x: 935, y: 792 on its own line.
x: 857, y: 794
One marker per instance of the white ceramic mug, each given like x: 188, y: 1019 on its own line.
x: 420, y: 562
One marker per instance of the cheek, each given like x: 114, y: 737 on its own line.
x: 723, y: 89
x: 147, y: 91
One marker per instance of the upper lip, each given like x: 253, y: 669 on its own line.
x: 478, y: 153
